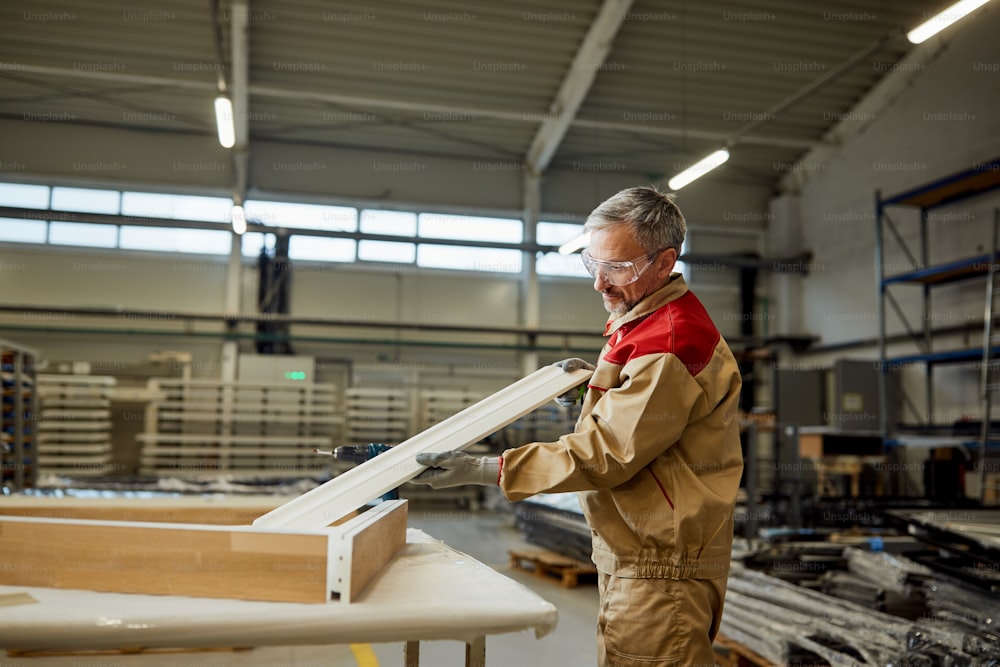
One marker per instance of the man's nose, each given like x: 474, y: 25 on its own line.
x: 600, y: 284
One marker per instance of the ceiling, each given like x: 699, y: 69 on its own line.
x: 645, y: 87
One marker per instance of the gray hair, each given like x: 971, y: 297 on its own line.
x: 654, y: 218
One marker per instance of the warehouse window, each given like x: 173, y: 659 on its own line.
x: 397, y: 223
x: 252, y: 242
x: 321, y: 249
x: 394, y: 223
x: 24, y: 196
x: 86, y: 200
x: 552, y: 263
x: 308, y: 216
x: 469, y: 228
x: 83, y: 234
x: 175, y: 239
x: 22, y: 231
x: 497, y: 260
x: 387, y: 251
x: 176, y: 207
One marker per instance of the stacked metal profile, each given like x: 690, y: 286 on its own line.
x: 880, y: 609
x: 207, y: 427
x: 556, y: 522
x: 74, y: 429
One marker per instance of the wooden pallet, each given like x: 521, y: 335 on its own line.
x: 550, y: 565
x: 729, y: 653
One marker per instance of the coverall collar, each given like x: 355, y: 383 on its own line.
x: 674, y: 288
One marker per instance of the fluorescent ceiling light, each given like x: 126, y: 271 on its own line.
x: 239, y: 220
x: 698, y: 169
x: 933, y: 26
x: 224, y: 121
x: 574, y: 244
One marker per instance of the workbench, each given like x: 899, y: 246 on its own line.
x: 428, y: 591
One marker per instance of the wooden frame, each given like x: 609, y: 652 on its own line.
x: 196, y: 560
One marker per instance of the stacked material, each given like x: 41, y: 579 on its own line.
x: 882, y: 582
x: 75, y: 424
x: 801, y: 560
x: 556, y: 522
x: 200, y: 427
x: 881, y: 608
x: 789, y: 624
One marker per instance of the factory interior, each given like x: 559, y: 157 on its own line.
x: 255, y: 256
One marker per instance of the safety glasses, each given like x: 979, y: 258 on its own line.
x: 617, y: 273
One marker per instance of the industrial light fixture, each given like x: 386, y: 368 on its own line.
x: 574, y: 244
x: 239, y: 219
x: 939, y: 22
x: 224, y: 121
x: 698, y: 169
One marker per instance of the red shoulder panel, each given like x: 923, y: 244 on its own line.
x: 682, y: 328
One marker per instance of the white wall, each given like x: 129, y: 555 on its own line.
x: 944, y: 121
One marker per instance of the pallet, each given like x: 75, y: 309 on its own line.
x: 730, y: 653
x: 550, y: 565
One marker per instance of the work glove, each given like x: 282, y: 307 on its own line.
x: 570, y: 398
x: 457, y: 468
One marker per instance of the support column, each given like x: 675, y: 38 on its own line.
x: 238, y: 91
x: 530, y: 301
x: 234, y: 280
x: 784, y: 239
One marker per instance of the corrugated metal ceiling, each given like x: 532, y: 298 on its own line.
x: 466, y: 79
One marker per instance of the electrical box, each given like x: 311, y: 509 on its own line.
x: 854, y: 397
x: 276, y: 369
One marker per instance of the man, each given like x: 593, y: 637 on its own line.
x: 656, y: 451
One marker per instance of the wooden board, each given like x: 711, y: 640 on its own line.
x: 164, y: 559
x: 229, y: 511
x: 368, y: 546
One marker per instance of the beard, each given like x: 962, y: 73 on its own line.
x: 615, y: 303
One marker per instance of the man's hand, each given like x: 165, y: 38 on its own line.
x: 457, y: 468
x: 574, y: 364
x: 570, y: 398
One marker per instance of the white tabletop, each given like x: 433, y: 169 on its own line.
x: 428, y: 591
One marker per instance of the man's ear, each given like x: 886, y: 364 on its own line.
x: 665, y: 262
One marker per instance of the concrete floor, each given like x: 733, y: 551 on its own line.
x: 487, y: 537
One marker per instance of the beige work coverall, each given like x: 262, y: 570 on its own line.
x: 656, y: 457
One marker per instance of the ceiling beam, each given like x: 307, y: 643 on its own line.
x: 379, y: 104
x: 576, y: 84
x: 866, y: 111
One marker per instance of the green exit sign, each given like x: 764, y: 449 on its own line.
x: 295, y: 375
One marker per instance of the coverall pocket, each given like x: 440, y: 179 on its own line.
x: 638, y: 623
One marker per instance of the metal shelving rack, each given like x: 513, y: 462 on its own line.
x: 989, y: 376
x: 947, y: 191
x: 18, y: 445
